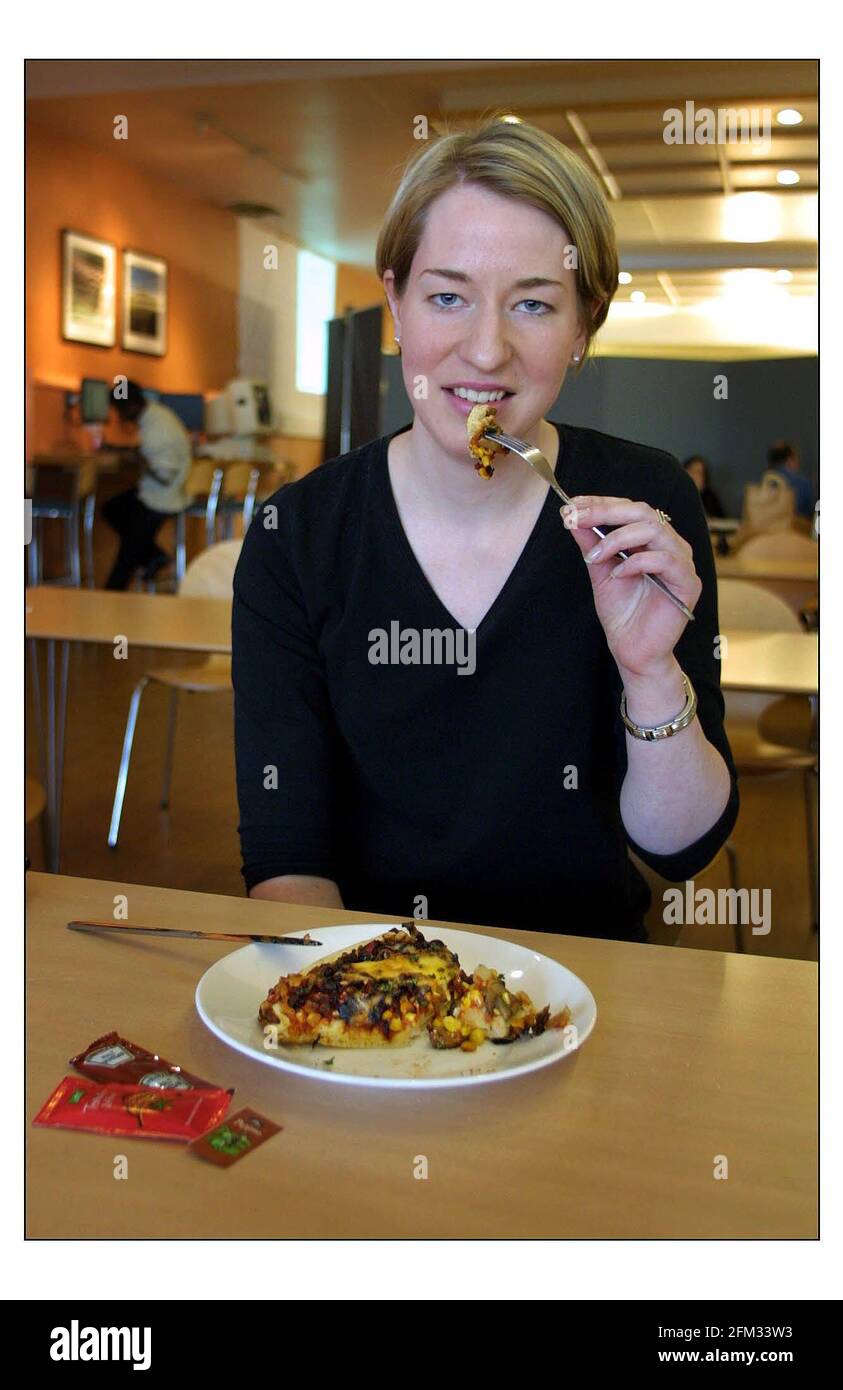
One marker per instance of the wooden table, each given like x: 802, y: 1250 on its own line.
x: 64, y: 615
x: 695, y: 1054
x: 777, y: 663
x: 105, y: 460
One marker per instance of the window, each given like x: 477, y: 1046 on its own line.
x: 316, y: 280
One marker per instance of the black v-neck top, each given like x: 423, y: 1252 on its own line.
x: 490, y: 797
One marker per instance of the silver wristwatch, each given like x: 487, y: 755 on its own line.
x: 657, y: 731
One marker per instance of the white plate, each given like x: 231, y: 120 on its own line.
x: 230, y: 992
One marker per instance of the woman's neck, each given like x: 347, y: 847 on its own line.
x: 421, y: 469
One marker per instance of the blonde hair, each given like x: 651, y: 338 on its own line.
x: 516, y: 160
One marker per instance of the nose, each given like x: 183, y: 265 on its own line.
x: 486, y: 343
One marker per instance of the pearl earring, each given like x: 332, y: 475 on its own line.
x: 576, y: 357
x: 397, y: 339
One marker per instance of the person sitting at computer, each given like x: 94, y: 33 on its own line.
x: 138, y: 513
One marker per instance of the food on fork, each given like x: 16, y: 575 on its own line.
x: 389, y: 990
x: 482, y: 418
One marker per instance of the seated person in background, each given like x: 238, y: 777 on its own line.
x: 697, y: 468
x: 783, y: 458
x: 137, y: 514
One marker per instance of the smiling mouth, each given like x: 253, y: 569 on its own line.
x: 465, y: 393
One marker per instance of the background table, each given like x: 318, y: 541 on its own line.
x: 695, y: 1054
x: 776, y: 663
x: 53, y: 614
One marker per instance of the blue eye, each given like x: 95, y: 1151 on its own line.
x: 445, y: 294
x: 538, y: 307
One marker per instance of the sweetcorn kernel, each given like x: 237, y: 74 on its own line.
x: 477, y: 1036
x: 451, y: 1024
x: 395, y: 1025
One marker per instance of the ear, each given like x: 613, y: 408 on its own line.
x: 392, y: 300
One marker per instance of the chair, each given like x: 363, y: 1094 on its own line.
x: 203, y: 485
x: 210, y: 575
x: 71, y: 497
x: 743, y: 605
x: 778, y: 546
x: 239, y: 490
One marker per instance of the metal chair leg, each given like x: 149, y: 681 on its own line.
x: 734, y: 881
x: 181, y: 547
x: 32, y: 556
x: 168, y: 756
x: 812, y: 852
x: 73, y: 548
x: 125, y: 757
x: 88, y: 530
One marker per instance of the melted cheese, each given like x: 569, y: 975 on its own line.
x: 394, y: 967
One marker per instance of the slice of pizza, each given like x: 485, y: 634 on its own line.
x: 481, y: 418
x: 484, y: 1009
x: 379, y: 994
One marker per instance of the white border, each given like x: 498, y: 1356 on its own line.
x: 693, y: 1270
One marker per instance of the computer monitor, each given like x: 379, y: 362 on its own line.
x: 94, y: 401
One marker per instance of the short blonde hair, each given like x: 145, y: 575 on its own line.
x: 515, y: 160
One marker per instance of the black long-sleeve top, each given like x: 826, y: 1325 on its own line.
x: 492, y: 796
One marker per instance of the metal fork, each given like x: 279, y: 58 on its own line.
x: 537, y: 461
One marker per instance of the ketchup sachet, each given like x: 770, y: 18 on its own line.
x: 112, y: 1058
x: 132, y: 1111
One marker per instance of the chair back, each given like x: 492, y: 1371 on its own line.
x: 742, y: 605
x: 240, y: 480
x: 781, y: 545
x: 211, y: 573
x: 200, y: 479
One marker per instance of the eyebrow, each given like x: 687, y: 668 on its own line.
x: 532, y: 282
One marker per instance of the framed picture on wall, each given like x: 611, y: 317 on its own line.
x: 144, y: 303
x: 88, y: 307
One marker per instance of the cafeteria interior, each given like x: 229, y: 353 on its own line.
x: 207, y: 231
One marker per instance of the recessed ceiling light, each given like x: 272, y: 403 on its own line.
x: 787, y: 176
x: 783, y: 277
x: 789, y: 116
x: 624, y: 278
x: 637, y: 297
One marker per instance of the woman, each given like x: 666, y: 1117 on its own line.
x: 697, y: 469
x: 502, y: 789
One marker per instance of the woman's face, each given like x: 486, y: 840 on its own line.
x: 490, y: 304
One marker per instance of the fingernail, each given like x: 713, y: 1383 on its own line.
x: 594, y: 554
x: 568, y: 509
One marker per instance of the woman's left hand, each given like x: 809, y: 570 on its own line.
x: 641, y: 625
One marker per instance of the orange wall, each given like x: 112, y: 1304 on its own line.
x: 358, y: 288
x: 71, y: 185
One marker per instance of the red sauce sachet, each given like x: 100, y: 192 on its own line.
x: 112, y: 1058
x: 132, y: 1111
